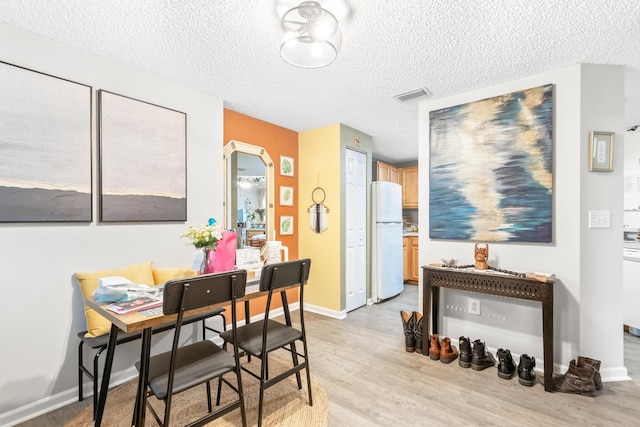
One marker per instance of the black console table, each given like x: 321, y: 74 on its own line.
x: 470, y: 280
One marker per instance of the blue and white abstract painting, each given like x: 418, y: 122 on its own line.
x: 491, y: 171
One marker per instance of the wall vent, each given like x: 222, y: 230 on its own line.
x: 403, y: 97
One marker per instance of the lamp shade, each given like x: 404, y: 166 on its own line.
x: 312, y: 36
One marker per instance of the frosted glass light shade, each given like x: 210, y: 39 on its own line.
x: 312, y: 36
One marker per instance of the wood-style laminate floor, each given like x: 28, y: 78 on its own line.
x: 371, y: 381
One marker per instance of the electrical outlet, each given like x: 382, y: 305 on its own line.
x: 599, y: 219
x: 474, y: 306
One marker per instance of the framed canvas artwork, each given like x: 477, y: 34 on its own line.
x: 491, y: 169
x: 143, y: 169
x: 45, y: 147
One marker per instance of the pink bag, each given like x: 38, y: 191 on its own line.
x: 224, y: 257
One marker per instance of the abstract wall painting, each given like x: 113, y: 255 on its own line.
x: 45, y: 147
x: 143, y: 169
x: 491, y: 169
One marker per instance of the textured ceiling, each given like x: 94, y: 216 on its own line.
x: 229, y: 49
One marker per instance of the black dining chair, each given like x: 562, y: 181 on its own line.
x: 187, y: 366
x: 260, y: 338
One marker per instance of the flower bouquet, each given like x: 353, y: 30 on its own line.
x: 205, y: 238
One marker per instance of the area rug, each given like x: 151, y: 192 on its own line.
x: 284, y: 404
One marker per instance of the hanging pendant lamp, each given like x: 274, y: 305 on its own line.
x: 312, y: 36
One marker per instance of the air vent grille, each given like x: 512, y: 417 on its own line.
x: 403, y: 97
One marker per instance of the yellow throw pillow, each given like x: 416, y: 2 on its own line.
x: 96, y: 324
x: 162, y: 275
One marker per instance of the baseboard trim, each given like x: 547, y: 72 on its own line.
x: 325, y: 311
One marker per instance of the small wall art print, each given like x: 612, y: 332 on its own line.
x: 286, y: 166
x: 491, y: 170
x: 143, y: 170
x: 286, y: 196
x: 286, y: 225
x: 45, y: 147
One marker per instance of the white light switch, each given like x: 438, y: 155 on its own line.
x: 599, y: 219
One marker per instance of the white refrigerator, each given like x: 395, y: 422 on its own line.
x: 386, y: 239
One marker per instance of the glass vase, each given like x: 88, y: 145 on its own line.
x: 207, y: 262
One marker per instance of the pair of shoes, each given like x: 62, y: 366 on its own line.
x: 526, y: 374
x: 412, y: 326
x: 582, y: 377
x: 506, y: 366
x: 480, y: 358
x: 442, y: 350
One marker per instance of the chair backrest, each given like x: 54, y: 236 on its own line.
x: 279, y: 275
x: 204, y: 290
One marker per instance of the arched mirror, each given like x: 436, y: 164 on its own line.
x: 249, y: 193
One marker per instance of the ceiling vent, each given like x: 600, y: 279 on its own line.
x: 403, y: 97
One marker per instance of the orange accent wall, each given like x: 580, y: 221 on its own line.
x: 278, y: 141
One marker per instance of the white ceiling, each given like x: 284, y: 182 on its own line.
x: 229, y: 49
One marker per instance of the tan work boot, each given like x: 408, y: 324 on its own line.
x: 448, y: 352
x: 434, y: 347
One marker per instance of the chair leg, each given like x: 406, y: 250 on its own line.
x: 95, y: 380
x: 264, y: 372
x: 80, y: 372
x: 306, y: 359
x: 209, y: 397
x: 294, y: 358
x: 219, y: 391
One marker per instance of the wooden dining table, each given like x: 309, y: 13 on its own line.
x: 145, y: 322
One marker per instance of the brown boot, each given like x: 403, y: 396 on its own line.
x: 448, y: 352
x: 578, y: 380
x: 597, y: 379
x: 434, y: 347
x: 417, y: 331
x: 408, y: 323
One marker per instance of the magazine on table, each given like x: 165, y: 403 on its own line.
x: 138, y: 304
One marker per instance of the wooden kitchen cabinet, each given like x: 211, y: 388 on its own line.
x: 410, y: 270
x: 387, y: 172
x: 410, y: 187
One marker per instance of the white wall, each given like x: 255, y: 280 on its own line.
x: 587, y: 262
x: 43, y: 309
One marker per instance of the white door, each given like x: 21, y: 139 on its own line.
x: 356, y: 226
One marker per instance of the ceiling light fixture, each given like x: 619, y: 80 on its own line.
x: 312, y: 37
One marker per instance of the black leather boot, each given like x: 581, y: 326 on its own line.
x: 417, y: 331
x: 408, y: 323
x: 481, y: 359
x: 526, y: 374
x: 506, y: 367
x: 465, y: 352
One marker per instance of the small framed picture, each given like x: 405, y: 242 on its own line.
x: 286, y: 166
x: 286, y: 196
x: 286, y: 225
x: 601, y: 151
